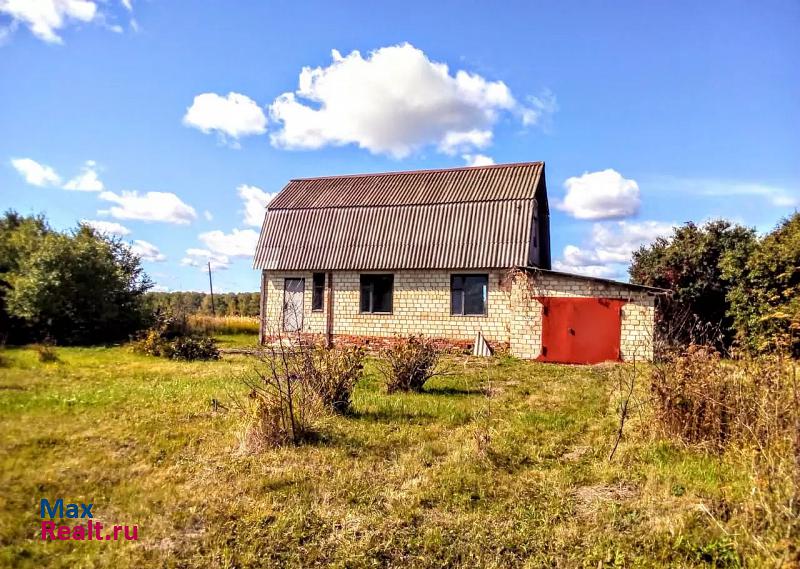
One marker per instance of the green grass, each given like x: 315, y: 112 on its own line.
x: 501, y: 464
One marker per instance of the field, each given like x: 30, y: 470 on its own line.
x: 501, y: 463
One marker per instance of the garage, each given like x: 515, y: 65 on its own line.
x: 581, y: 330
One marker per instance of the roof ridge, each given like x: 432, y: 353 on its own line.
x: 405, y: 204
x: 422, y: 171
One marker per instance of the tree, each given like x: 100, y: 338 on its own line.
x: 701, y: 265
x: 765, y: 298
x: 76, y: 288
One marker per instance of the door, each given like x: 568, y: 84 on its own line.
x: 580, y: 330
x: 293, y: 290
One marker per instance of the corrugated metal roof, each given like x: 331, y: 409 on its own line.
x: 455, y: 185
x: 465, y: 218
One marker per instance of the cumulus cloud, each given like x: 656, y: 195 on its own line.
x: 45, y: 17
x: 36, y: 174
x: 600, y: 195
x: 87, y: 180
x: 107, y: 227
x: 239, y: 243
x: 393, y: 102
x: 147, y: 251
x: 255, y: 201
x: 477, y: 160
x: 610, y: 247
x: 202, y: 257
x: 151, y: 206
x: 231, y: 117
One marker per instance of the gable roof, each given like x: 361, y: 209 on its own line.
x: 459, y: 218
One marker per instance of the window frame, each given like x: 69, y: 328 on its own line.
x: 463, y: 293
x: 317, y: 288
x: 371, y: 303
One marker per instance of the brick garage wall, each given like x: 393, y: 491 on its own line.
x: 638, y: 313
x: 421, y: 305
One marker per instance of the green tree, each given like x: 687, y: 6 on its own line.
x: 76, y: 288
x: 701, y: 265
x: 765, y: 298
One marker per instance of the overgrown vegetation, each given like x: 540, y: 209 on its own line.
x: 730, y: 286
x: 409, y: 363
x: 77, y: 287
x: 293, y: 388
x: 172, y: 337
x: 747, y: 412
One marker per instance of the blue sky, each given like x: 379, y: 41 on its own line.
x: 170, y: 118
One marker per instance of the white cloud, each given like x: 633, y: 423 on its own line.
x: 147, y: 251
x: 107, y: 227
x: 151, y: 206
x: 87, y: 180
x: 45, y: 17
x: 540, y: 108
x: 255, y: 201
x: 477, y: 160
x: 160, y: 288
x: 239, y: 243
x: 600, y: 195
x: 128, y: 5
x: 774, y: 195
x: 611, y: 247
x: 35, y: 173
x: 231, y: 117
x: 394, y: 101
x: 201, y: 257
x: 207, y: 214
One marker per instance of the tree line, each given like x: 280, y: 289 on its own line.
x: 225, y: 304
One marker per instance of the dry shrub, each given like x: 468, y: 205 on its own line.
x: 171, y: 337
x: 748, y: 412
x: 332, y: 373
x: 294, y: 388
x: 409, y: 363
x: 705, y: 400
x: 46, y: 352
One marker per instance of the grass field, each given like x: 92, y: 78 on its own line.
x: 501, y: 464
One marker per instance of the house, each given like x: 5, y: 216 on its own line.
x: 443, y: 253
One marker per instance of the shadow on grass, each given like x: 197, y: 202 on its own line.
x: 453, y: 391
x: 388, y: 415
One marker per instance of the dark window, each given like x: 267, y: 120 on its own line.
x: 318, y: 292
x: 468, y: 294
x: 376, y: 293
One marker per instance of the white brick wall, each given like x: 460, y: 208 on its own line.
x: 421, y: 305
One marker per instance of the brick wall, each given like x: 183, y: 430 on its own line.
x: 421, y: 305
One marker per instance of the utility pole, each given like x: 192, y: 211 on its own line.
x: 211, y: 287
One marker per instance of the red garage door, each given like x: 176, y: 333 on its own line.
x: 580, y: 330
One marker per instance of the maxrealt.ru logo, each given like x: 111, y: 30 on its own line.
x: 89, y: 531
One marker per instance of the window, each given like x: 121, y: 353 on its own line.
x: 376, y: 293
x: 318, y: 292
x: 468, y: 294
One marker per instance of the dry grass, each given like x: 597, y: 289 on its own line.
x: 216, y: 325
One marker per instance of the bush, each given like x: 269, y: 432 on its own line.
x: 332, y: 374
x: 46, y: 353
x: 169, y: 338
x: 191, y: 348
x: 408, y: 364
x: 293, y: 389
